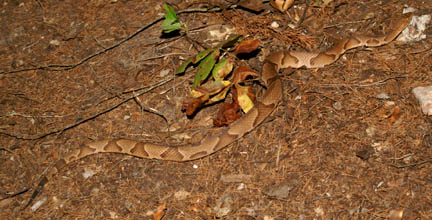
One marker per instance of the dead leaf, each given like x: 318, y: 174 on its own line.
x: 281, y: 5
x: 160, y: 212
x: 247, y: 46
x: 227, y: 114
x: 220, y: 96
x: 242, y: 72
x: 192, y: 105
x: 245, y: 97
x: 210, y: 88
x: 395, y: 115
x: 254, y: 5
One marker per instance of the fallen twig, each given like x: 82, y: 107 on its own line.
x: 35, y: 137
x: 60, y: 67
x: 412, y: 164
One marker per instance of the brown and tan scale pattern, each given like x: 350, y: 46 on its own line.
x: 262, y: 109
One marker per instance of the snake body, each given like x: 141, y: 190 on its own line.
x: 262, y: 108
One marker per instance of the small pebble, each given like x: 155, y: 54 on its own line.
x: 274, y: 24
x: 55, y: 42
x: 424, y: 96
x: 383, y: 96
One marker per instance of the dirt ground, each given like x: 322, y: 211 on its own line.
x: 329, y: 151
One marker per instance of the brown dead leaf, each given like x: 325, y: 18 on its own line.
x: 247, y: 46
x: 228, y: 112
x: 192, y: 105
x: 160, y: 212
x: 242, y: 72
x: 254, y: 5
x: 206, y: 94
x: 281, y: 5
x: 395, y: 115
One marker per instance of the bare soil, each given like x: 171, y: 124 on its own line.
x: 329, y: 151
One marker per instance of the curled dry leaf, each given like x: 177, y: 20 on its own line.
x: 254, y: 5
x: 395, y: 115
x: 242, y: 72
x: 202, y: 96
x: 210, y: 88
x: 281, y: 5
x: 246, y: 46
x: 245, y: 97
x: 192, y: 105
x: 227, y: 114
x: 160, y: 212
x: 219, y: 96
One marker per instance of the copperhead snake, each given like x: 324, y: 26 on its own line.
x: 221, y: 139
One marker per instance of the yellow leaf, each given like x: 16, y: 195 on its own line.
x: 245, y: 97
x: 196, y: 94
x: 220, y: 96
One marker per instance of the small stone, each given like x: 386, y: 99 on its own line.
x: 415, y: 31
x: 164, y: 73
x: 241, y: 186
x: 370, y: 131
x: 38, y: 204
x: 181, y: 195
x: 319, y: 211
x: 383, y: 96
x: 280, y: 191
x: 274, y: 24
x: 396, y: 214
x: 424, y: 96
x: 88, y: 173
x: 337, y: 106
x: 55, y: 42
x: 223, y: 205
x: 113, y: 215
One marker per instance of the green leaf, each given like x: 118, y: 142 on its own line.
x: 183, y: 67
x: 170, y: 15
x: 205, y: 67
x: 230, y: 41
x: 201, y: 55
x: 222, y: 69
x: 171, y: 22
